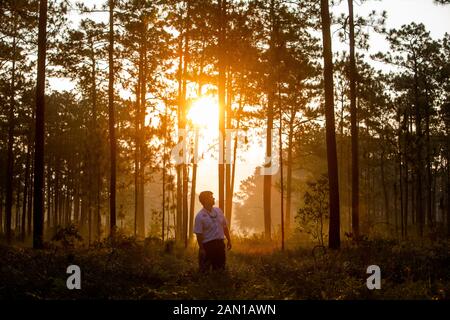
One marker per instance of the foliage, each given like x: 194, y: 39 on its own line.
x: 131, y: 270
x: 68, y: 236
x: 311, y: 218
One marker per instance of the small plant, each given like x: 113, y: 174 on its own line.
x: 67, y: 236
x: 310, y: 218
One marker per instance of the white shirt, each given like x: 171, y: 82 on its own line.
x: 210, y: 225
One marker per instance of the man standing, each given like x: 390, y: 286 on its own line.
x: 211, y: 229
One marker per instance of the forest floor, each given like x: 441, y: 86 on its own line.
x: 255, y: 270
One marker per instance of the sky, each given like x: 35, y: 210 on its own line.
x: 435, y: 18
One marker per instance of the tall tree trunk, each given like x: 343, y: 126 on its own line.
x: 228, y: 143
x: 334, y: 226
x: 233, y: 167
x: 354, y: 126
x: 11, y: 125
x: 112, y: 134
x: 280, y: 132
x: 96, y: 141
x: 385, y: 190
x: 406, y: 174
x: 141, y: 167
x: 400, y: 165
x: 1, y: 210
x: 289, y: 172
x: 30, y: 197
x: 49, y: 197
x: 429, y: 179
x: 448, y: 186
x: 17, y: 220
x: 193, y: 187
x: 136, y: 151
x: 221, y: 91
x: 184, y: 100
x: 178, y: 223
x: 267, y: 198
x: 419, y: 209
x: 164, y: 126
x: 25, y: 191
x: 38, y: 217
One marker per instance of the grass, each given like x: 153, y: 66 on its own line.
x: 256, y: 269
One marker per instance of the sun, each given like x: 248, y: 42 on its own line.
x: 204, y: 113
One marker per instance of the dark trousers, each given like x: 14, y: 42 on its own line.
x: 214, y: 255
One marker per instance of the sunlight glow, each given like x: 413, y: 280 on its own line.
x: 204, y: 113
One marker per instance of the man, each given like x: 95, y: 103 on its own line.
x: 211, y: 228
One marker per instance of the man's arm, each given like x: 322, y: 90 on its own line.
x: 227, y: 235
x: 200, y: 241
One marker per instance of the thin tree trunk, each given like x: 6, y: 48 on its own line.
x: 179, y: 167
x: 112, y: 134
x: 385, y: 190
x: 354, y: 126
x: 289, y: 172
x: 49, y: 198
x: 164, y: 126
x: 221, y: 92
x: 25, y: 191
x: 10, y: 154
x: 228, y: 194
x: 185, y: 180
x: 193, y: 187
x: 419, y: 209
x: 267, y: 198
x: 233, y: 168
x: 136, y: 151
x: 1, y: 210
x: 281, y: 168
x: 141, y: 167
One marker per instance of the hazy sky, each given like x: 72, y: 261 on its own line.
x: 436, y: 19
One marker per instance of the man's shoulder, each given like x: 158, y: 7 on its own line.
x: 201, y: 214
x: 218, y: 210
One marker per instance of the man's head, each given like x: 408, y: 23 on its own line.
x: 206, y: 198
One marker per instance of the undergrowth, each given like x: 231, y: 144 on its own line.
x: 131, y: 269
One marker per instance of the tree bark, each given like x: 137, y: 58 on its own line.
x: 334, y: 226
x: 112, y: 134
x: 38, y: 217
x: 10, y: 154
x: 221, y: 92
x: 354, y: 126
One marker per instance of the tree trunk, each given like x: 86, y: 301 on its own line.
x: 354, y: 126
x: 419, y: 209
x: 1, y: 210
x: 233, y: 167
x: 25, y: 191
x: 10, y: 154
x: 221, y: 92
x: 334, y: 226
x: 136, y: 151
x: 141, y: 167
x: 385, y: 190
x: 289, y: 171
x: 112, y: 134
x: 280, y: 114
x: 38, y: 218
x: 228, y: 194
x: 267, y: 198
